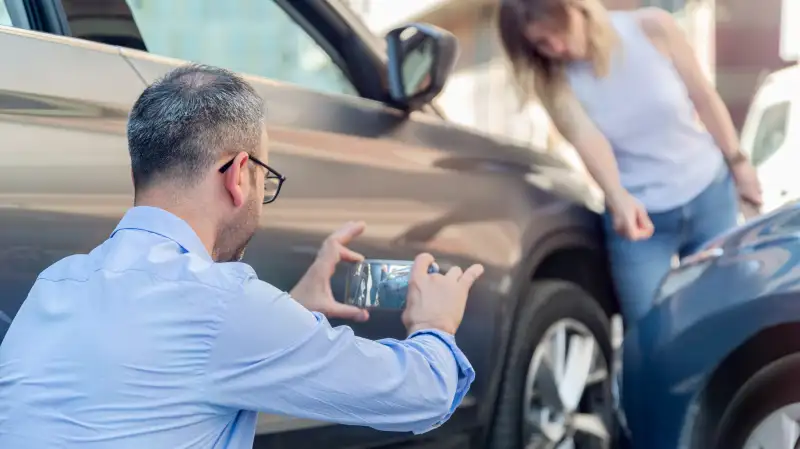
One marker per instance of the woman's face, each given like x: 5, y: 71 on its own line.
x: 560, y: 41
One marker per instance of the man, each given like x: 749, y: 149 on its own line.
x: 160, y: 338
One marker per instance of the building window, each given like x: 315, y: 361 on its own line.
x: 256, y: 37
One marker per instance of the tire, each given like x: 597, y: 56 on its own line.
x: 771, y: 389
x: 549, y: 303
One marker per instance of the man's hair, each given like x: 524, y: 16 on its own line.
x: 186, y: 121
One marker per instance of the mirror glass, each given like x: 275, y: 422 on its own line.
x: 419, y: 51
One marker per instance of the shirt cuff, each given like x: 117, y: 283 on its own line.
x: 466, y: 373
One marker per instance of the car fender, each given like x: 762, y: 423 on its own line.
x: 737, y: 287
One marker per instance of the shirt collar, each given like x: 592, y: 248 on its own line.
x: 163, y: 223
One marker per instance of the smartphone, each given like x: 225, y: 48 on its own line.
x: 379, y: 283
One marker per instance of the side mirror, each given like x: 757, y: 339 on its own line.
x: 421, y: 57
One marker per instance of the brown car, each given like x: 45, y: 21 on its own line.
x: 353, y: 128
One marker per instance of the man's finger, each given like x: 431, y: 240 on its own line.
x: 470, y: 276
x: 454, y: 273
x: 421, y: 264
x: 348, y: 232
x: 347, y: 312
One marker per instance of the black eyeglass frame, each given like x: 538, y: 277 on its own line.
x: 271, y: 174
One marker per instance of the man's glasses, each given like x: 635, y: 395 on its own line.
x: 272, y: 179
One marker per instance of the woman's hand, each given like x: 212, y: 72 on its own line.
x: 629, y: 216
x: 747, y: 183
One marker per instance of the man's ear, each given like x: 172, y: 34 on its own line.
x: 236, y: 177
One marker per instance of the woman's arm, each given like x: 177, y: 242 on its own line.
x: 574, y: 124
x: 665, y: 33
x: 569, y: 117
x: 662, y: 29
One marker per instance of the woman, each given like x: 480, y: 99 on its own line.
x: 625, y: 89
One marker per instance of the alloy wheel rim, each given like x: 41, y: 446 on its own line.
x: 567, y: 365
x: 779, y: 430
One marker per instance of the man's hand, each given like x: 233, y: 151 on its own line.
x: 314, y: 289
x: 437, y: 301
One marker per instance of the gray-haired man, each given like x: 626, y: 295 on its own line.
x: 160, y: 338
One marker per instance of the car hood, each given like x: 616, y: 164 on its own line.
x: 781, y: 225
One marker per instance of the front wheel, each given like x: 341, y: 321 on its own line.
x: 556, y: 390
x: 765, y: 412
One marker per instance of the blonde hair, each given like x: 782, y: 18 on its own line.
x: 535, y: 74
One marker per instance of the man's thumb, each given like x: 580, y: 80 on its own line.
x: 348, y: 312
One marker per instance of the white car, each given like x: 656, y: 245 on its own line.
x: 770, y: 136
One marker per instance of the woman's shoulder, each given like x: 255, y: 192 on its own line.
x: 655, y: 22
x: 658, y: 25
x: 650, y: 21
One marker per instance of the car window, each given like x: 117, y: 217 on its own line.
x: 249, y: 36
x: 771, y: 132
x: 5, y: 18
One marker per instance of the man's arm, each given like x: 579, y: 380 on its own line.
x: 272, y: 355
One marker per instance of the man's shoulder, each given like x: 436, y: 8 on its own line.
x: 76, y: 267
x: 231, y: 275
x: 157, y: 264
x: 191, y: 269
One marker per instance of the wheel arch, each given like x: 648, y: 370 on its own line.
x: 575, y: 255
x: 582, y: 266
x: 572, y: 255
x: 765, y: 347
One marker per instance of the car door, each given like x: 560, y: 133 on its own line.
x: 772, y: 144
x: 420, y: 183
x: 64, y: 168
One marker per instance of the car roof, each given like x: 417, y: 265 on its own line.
x: 786, y: 75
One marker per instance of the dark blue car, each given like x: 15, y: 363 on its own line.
x: 716, y: 363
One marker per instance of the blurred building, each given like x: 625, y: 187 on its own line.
x: 748, y: 38
x: 737, y: 42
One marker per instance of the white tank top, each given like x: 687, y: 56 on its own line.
x: 665, y: 157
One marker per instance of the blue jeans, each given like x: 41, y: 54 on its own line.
x: 639, y: 266
x: 377, y: 277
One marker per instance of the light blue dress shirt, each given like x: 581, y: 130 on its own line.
x: 146, y: 342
